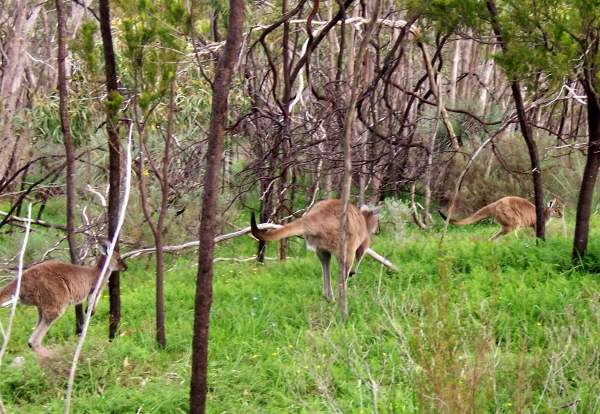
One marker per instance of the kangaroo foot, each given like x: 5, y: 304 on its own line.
x: 42, y: 351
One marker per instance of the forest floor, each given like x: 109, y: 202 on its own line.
x: 465, y: 326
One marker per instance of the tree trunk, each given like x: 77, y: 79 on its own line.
x: 222, y: 82
x: 454, y: 72
x: 113, y: 100
x: 14, y: 64
x: 345, y: 259
x: 68, y: 141
x: 161, y: 335
x: 282, y: 183
x: 429, y: 165
x: 485, y: 80
x: 466, y: 46
x: 590, y: 173
x: 526, y: 130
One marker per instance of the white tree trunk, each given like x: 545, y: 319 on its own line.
x: 485, y: 80
x: 454, y: 72
x: 19, y: 28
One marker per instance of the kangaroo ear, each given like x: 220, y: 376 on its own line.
x: 104, y: 246
x: 377, y: 209
x: 551, y: 203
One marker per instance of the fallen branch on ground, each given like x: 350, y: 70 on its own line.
x: 135, y: 253
x: 33, y: 221
x: 262, y: 226
x: 233, y: 259
x: 382, y: 260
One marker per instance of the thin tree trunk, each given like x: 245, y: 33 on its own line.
x: 158, y: 226
x: 65, y: 127
x: 14, y: 63
x: 415, y: 211
x: 437, y: 93
x: 161, y: 336
x: 221, y: 84
x: 590, y: 174
x: 344, y: 260
x: 113, y: 97
x: 429, y: 166
x: 485, y: 80
x: 526, y: 130
x: 465, y: 64
x: 287, y: 124
x: 68, y: 141
x: 454, y: 72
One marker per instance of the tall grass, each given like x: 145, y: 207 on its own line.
x: 466, y: 326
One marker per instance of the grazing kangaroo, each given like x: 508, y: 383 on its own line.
x: 321, y: 230
x: 52, y: 286
x: 512, y: 213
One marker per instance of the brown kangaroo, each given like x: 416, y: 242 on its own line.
x: 321, y: 230
x: 52, y: 286
x: 512, y: 213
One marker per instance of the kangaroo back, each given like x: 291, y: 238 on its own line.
x: 512, y: 213
x: 479, y: 215
x: 52, y: 286
x: 321, y: 226
x: 294, y: 228
x: 6, y: 292
x: 323, y: 218
x: 52, y: 283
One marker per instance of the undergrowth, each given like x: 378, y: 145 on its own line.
x: 465, y: 326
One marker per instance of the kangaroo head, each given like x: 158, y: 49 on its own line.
x: 552, y: 210
x: 116, y: 262
x: 371, y: 218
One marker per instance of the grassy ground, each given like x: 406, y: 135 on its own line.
x: 467, y: 326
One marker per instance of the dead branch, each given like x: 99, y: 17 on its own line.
x: 33, y: 221
x: 95, y: 296
x: 262, y: 226
x: 232, y: 259
x: 382, y: 260
x: 15, y: 299
x: 135, y: 253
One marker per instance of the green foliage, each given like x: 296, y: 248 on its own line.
x: 449, y: 15
x: 85, y: 46
x: 505, y: 173
x: 113, y: 103
x: 43, y: 118
x: 465, y: 326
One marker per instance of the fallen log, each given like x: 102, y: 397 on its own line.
x: 244, y: 231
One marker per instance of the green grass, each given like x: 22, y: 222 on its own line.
x: 467, y: 326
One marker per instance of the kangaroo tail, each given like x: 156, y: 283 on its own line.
x: 291, y: 229
x: 6, y: 293
x: 479, y: 215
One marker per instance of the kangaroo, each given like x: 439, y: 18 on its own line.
x: 53, y: 286
x: 321, y: 230
x: 512, y: 213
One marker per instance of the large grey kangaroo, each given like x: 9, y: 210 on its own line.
x: 53, y: 286
x: 512, y: 213
x: 321, y: 230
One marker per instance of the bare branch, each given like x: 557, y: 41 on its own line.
x: 15, y: 298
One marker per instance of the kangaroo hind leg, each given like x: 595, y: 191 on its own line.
x: 502, y: 232
x: 325, y: 259
x: 360, y: 252
x: 45, y: 321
